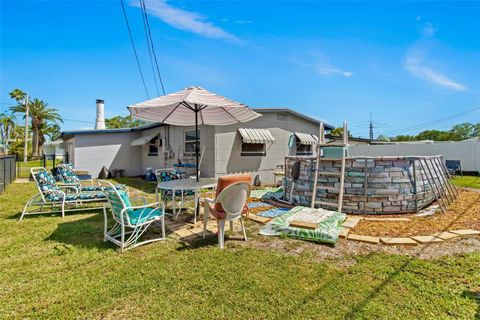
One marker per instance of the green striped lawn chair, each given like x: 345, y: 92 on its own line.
x: 134, y: 218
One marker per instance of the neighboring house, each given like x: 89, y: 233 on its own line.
x: 53, y: 148
x: 257, y: 147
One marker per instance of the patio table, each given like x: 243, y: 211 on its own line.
x: 185, y: 185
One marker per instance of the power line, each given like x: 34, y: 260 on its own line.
x: 427, y: 124
x: 153, y: 46
x: 134, y: 49
x: 148, y: 45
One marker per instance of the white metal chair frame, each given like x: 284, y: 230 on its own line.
x: 233, y: 199
x: 39, y: 199
x: 117, y: 234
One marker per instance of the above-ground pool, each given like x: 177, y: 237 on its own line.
x: 373, y: 185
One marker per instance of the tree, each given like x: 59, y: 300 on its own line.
x: 338, y: 132
x: 122, y: 122
x: 41, y: 117
x: 18, y: 95
x: 463, y: 131
x: 7, y: 128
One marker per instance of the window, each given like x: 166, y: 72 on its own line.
x: 304, y: 150
x: 190, y: 142
x: 253, y: 149
x: 153, y: 146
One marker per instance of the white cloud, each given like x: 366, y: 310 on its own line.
x: 428, y: 30
x: 327, y: 70
x: 186, y: 20
x: 321, y: 65
x: 414, y: 64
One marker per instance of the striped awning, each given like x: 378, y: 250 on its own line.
x: 256, y: 135
x: 306, y: 138
x: 143, y: 140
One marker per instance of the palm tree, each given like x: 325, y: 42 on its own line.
x: 18, y: 95
x: 41, y: 117
x: 7, y: 128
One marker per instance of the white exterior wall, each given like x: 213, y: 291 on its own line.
x: 112, y: 150
x: 467, y: 152
x: 177, y: 143
x: 228, y: 143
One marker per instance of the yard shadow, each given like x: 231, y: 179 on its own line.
x: 84, y: 233
x: 475, y: 296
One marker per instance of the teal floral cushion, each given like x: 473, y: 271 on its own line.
x: 68, y: 174
x: 169, y: 176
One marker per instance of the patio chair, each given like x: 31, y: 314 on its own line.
x: 453, y: 166
x: 69, y: 177
x: 169, y: 174
x: 58, y: 196
x: 229, y: 204
x: 135, y: 218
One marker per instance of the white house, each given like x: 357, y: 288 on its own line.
x: 257, y: 147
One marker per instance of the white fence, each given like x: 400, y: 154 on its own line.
x: 467, y: 152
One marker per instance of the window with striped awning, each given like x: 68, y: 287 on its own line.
x: 256, y: 136
x: 306, y: 138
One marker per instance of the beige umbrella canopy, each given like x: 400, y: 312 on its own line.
x: 208, y: 108
x: 176, y: 108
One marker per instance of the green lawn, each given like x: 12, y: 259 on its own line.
x: 467, y: 181
x: 60, y: 268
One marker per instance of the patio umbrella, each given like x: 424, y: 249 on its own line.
x: 208, y: 108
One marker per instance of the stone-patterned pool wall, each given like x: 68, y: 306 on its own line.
x: 386, y: 185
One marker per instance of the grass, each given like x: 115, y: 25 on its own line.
x: 467, y: 181
x: 60, y: 268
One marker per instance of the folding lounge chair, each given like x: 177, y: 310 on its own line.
x: 56, y: 196
x: 134, y: 218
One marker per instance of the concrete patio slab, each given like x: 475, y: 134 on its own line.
x: 465, y: 232
x: 350, y: 222
x: 445, y: 235
x: 398, y: 241
x: 426, y: 239
x: 367, y: 239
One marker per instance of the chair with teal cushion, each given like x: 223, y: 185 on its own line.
x: 170, y: 174
x: 69, y: 177
x: 59, y: 197
x: 126, y: 216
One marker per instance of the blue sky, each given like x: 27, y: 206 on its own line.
x: 408, y: 63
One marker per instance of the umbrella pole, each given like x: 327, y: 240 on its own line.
x: 196, y: 142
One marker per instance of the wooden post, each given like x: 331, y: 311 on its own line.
x: 321, y: 138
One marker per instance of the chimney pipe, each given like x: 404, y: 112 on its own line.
x: 100, y: 121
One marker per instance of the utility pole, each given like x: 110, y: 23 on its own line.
x: 25, y: 148
x: 371, y: 127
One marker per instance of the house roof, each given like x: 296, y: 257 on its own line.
x: 298, y: 114
x: 68, y: 134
